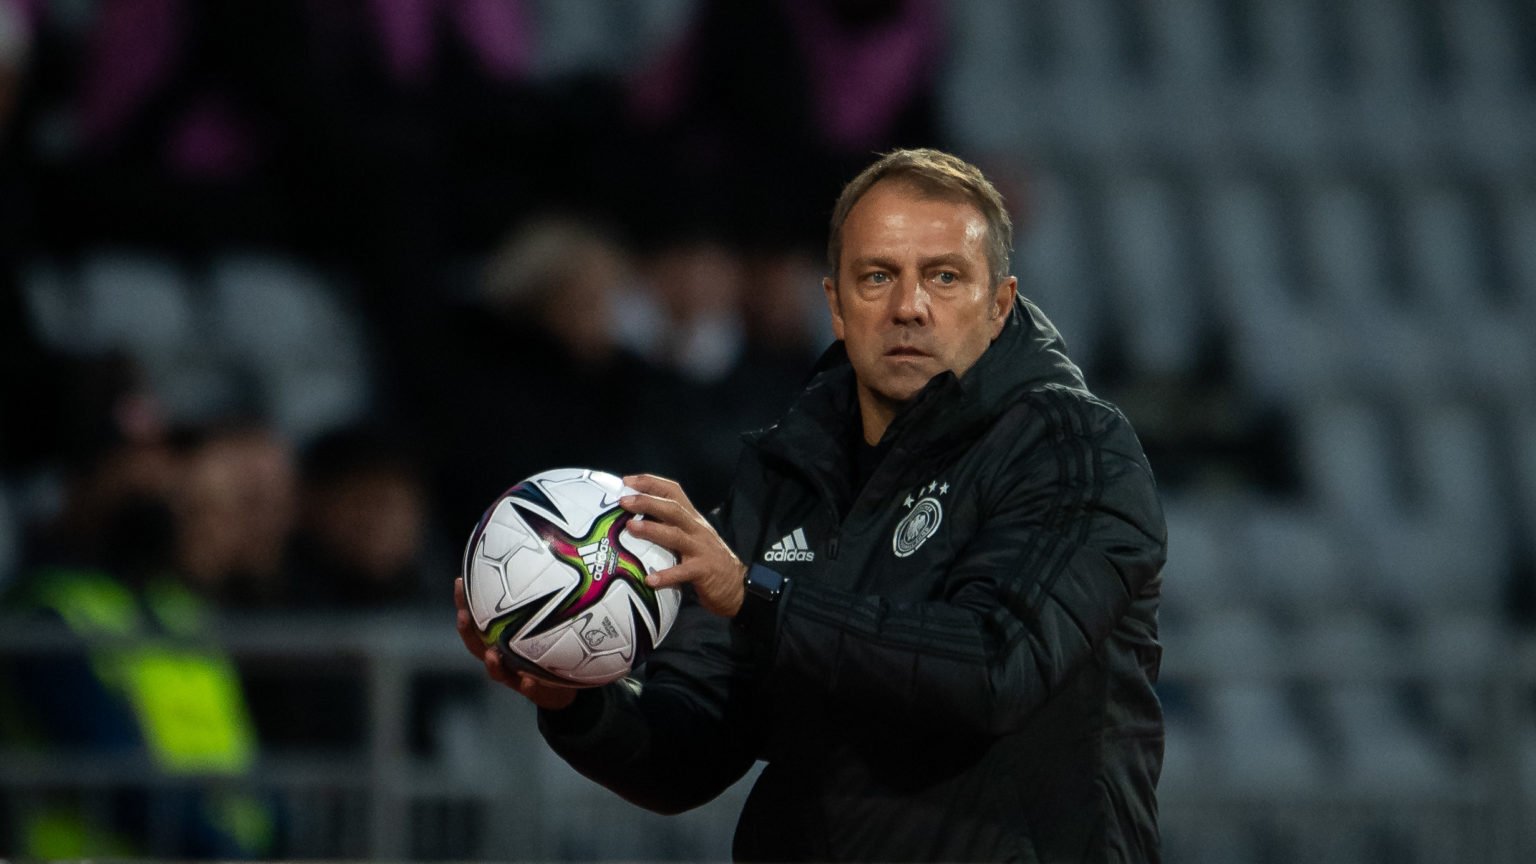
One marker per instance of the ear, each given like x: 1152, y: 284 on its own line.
x: 1002, y: 302
x: 829, y: 285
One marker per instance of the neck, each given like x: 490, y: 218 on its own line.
x: 876, y: 415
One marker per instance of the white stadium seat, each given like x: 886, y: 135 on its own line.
x: 1483, y: 50
x: 1517, y: 225
x: 288, y: 324
x: 1053, y: 267
x: 1381, y: 746
x: 1384, y: 347
x: 1202, y: 576
x: 1283, y: 350
x: 1186, y: 44
x: 1257, y: 740
x: 1485, y: 340
x: 1292, y: 559
x: 1383, y: 38
x: 148, y: 304
x: 1156, y: 297
x: 53, y: 306
x: 1459, y: 508
x: 137, y: 301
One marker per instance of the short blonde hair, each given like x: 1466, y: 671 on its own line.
x: 933, y: 173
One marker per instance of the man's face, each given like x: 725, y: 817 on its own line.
x: 913, y: 295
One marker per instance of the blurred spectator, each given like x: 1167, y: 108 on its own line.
x: 762, y: 110
x: 748, y: 126
x: 784, y: 323
x: 93, y: 420
x: 29, y: 373
x: 235, y: 509
x: 108, y: 567
x: 691, y: 327
x: 359, y: 545
x: 564, y: 276
x: 424, y: 137
x: 362, y: 527
x: 776, y: 304
x: 116, y: 514
x: 532, y: 376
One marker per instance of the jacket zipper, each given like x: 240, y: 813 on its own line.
x: 818, y: 483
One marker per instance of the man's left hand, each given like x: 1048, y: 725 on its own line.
x: 672, y: 522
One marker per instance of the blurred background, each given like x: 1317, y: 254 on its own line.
x: 291, y: 289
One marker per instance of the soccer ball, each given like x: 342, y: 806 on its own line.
x: 552, y: 577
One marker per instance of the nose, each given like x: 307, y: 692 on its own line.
x: 909, y: 302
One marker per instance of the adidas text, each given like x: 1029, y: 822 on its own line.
x: 789, y: 555
x: 792, y: 548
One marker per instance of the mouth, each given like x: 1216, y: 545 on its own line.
x: 905, y: 351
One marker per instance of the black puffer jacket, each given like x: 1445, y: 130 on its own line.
x: 962, y: 666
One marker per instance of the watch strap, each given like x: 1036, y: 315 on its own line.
x: 764, y: 591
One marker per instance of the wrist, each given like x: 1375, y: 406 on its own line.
x: 576, y: 717
x: 762, y: 594
x: 741, y: 587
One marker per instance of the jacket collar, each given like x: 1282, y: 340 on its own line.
x: 1027, y: 355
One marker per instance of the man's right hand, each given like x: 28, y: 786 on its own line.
x: 543, y: 695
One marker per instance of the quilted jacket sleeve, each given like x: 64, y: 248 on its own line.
x: 673, y: 738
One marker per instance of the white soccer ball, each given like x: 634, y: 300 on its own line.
x: 553, y: 578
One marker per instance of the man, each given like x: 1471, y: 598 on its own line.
x: 148, y: 680
x: 929, y: 602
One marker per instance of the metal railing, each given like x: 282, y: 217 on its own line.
x: 452, y: 767
x: 1483, y: 811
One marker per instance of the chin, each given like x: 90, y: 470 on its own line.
x: 900, y: 393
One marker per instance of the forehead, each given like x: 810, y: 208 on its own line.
x: 897, y: 213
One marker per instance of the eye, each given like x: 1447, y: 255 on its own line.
x: 878, y: 278
x: 946, y: 277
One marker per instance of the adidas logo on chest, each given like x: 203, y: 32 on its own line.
x: 793, y: 547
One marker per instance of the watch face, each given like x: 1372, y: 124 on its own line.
x: 765, y: 582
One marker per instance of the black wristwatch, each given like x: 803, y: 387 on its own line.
x: 760, y: 605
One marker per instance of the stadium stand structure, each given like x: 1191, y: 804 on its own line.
x: 1325, y: 210
x: 257, y: 333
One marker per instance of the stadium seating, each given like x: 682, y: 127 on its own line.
x: 1257, y: 738
x: 290, y: 326
x: 1050, y: 262
x: 250, y: 334
x: 1342, y: 193
x: 1157, y: 296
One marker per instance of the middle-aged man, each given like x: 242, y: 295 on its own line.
x: 929, y: 602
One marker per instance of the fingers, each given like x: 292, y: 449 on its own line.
x: 496, y: 669
x: 542, y: 694
x: 671, y: 537
x: 474, y: 643
x: 672, y: 522
x: 661, y: 487
x: 470, y: 636
x: 694, y: 571
x: 657, y: 507
x: 465, y: 624
x: 674, y: 575
x: 719, y: 586
x: 526, y: 685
